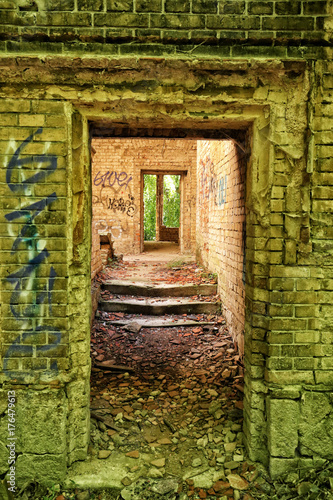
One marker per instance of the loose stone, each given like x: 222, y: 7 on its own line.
x: 160, y: 462
x: 237, y: 482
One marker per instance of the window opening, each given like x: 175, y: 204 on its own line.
x: 149, y: 203
x: 171, y: 200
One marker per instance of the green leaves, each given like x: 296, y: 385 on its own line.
x: 149, y: 201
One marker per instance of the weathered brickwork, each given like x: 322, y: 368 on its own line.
x: 96, y: 260
x: 169, y: 234
x: 117, y: 198
x: 202, y: 70
x: 41, y: 342
x: 107, y: 27
x: 221, y: 225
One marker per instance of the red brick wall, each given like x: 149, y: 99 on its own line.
x: 96, y: 261
x: 220, y: 225
x: 169, y: 234
x: 116, y: 186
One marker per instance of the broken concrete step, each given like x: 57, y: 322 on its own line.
x: 157, y: 308
x: 163, y: 290
x: 158, y: 322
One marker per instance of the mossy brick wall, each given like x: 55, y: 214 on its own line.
x: 116, y: 186
x: 261, y: 66
x: 223, y: 28
x: 221, y: 226
x: 44, y: 302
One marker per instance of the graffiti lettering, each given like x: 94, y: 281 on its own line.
x: 29, y: 295
x: 40, y: 160
x: 112, y: 178
x: 29, y: 231
x: 210, y: 186
x: 123, y: 206
x: 223, y: 190
x: 208, y: 179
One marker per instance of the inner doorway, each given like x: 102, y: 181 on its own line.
x: 184, y: 379
x: 161, y: 209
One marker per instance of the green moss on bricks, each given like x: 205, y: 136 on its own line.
x: 288, y: 23
x: 124, y: 20
x: 234, y: 7
x: 177, y: 21
x: 119, y: 5
x: 316, y: 7
x: 49, y: 469
x: 95, y: 48
x: 177, y: 6
x: 255, y: 8
x: 64, y: 19
x: 204, y: 6
x: 287, y: 8
x: 279, y: 467
x: 90, y: 5
x: 41, y: 422
x: 149, y: 5
x: 152, y: 49
x: 3, y: 454
x: 232, y: 22
x: 283, y: 420
x: 59, y: 5
x: 316, y: 420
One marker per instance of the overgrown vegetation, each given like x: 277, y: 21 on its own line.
x: 171, y: 200
x: 149, y: 200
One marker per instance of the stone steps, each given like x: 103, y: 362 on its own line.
x: 153, y: 307
x: 149, y: 322
x: 163, y: 290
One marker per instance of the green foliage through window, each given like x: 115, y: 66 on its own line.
x: 149, y: 200
x: 171, y: 203
x: 171, y: 200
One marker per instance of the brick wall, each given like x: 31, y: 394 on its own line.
x: 169, y: 234
x: 200, y: 69
x: 40, y: 239
x: 106, y: 27
x: 116, y: 186
x: 96, y: 260
x: 221, y: 225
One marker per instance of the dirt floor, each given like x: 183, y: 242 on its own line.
x: 176, y: 413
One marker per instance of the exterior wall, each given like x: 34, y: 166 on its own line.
x: 44, y: 295
x: 221, y: 225
x: 116, y: 179
x: 106, y: 27
x: 199, y: 67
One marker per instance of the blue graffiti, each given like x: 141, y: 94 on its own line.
x: 223, y: 190
x: 210, y: 186
x: 15, y: 161
x: 26, y: 280
x: 18, y: 348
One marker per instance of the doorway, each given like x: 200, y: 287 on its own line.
x: 161, y: 208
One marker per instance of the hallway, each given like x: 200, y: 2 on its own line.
x: 166, y: 391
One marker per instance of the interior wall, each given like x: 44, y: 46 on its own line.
x: 96, y: 260
x: 116, y: 186
x: 221, y: 226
